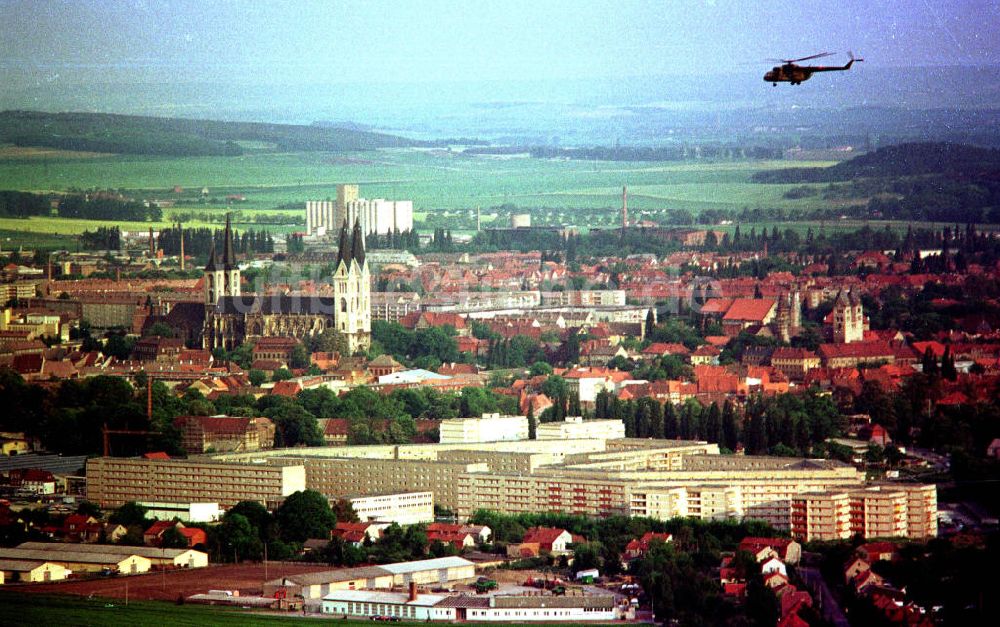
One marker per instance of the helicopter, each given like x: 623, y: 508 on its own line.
x: 788, y: 72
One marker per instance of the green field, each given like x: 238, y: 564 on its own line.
x: 436, y: 181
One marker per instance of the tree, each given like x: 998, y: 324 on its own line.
x: 159, y: 329
x: 294, y: 426
x: 299, y: 357
x: 88, y: 508
x: 540, y: 368
x: 305, y: 514
x: 130, y: 514
x: 281, y: 374
x: 532, y: 423
x: 257, y: 377
x: 555, y: 387
x: 172, y: 538
x: 237, y: 538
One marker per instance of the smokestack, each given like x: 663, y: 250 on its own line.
x: 413, y: 592
x: 478, y: 224
x: 182, y: 247
x: 624, y: 207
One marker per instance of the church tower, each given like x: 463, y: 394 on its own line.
x: 352, y: 290
x: 231, y: 279
x: 848, y: 318
x: 222, y: 278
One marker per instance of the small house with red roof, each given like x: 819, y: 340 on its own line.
x: 357, y: 533
x: 548, y: 539
x: 637, y: 547
x: 786, y: 549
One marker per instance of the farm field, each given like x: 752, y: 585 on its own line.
x: 432, y: 179
x: 258, y: 188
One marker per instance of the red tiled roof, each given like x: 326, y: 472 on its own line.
x: 750, y: 309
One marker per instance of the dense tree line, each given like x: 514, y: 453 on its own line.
x: 14, y: 204
x: 102, y: 238
x: 395, y: 240
x: 198, y: 242
x: 424, y: 348
x: 786, y: 424
x: 99, y: 207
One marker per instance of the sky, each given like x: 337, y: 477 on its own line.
x: 283, y: 42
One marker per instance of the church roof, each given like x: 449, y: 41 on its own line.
x: 343, y: 249
x: 358, y: 244
x: 210, y: 266
x: 276, y: 304
x: 228, y: 257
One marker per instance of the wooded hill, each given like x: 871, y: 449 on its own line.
x: 139, y: 135
x: 912, y: 159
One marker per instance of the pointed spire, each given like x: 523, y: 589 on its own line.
x: 344, y: 249
x: 358, y: 245
x: 228, y: 257
x: 212, y: 262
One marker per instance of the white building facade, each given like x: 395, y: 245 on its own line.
x: 406, y: 508
x: 489, y: 428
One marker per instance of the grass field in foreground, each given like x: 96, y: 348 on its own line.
x: 41, y: 610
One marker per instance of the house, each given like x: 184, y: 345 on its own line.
x: 153, y: 536
x: 854, y: 567
x: 357, y: 533
x: 878, y: 551
x: 866, y: 578
x: 775, y: 580
x: 480, y: 534
x: 278, y: 349
x: 747, y: 312
x: 31, y: 571
x: 785, y: 549
x: 705, y: 355
x: 548, y: 539
x: 854, y: 354
x: 200, y: 434
x: 638, y: 547
x: 773, y: 565
x: 794, y: 363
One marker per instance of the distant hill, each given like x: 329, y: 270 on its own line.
x: 138, y: 135
x: 912, y: 159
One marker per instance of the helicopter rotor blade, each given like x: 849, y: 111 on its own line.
x: 815, y: 56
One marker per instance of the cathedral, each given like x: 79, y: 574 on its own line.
x: 232, y: 318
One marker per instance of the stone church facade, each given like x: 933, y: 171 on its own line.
x: 232, y: 318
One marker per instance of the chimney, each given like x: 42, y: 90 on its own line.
x: 624, y: 207
x: 413, y: 592
x: 182, y: 247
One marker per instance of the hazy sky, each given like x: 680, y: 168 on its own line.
x: 410, y: 40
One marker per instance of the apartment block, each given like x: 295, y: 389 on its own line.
x: 405, y: 508
x: 576, y: 428
x: 880, y: 511
x: 113, y: 481
x: 821, y: 516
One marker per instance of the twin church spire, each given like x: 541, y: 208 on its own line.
x: 351, y: 247
x: 228, y: 256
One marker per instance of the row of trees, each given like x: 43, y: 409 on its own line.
x: 100, y: 207
x: 785, y: 424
